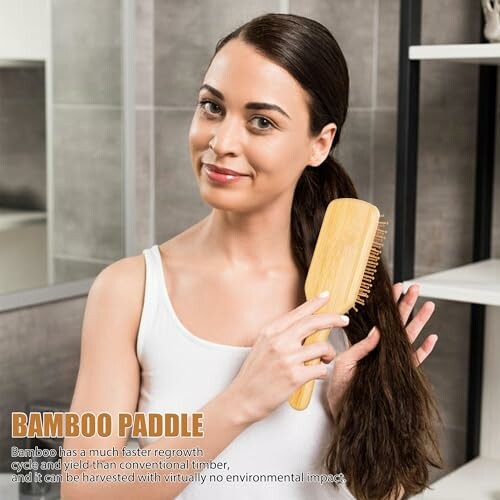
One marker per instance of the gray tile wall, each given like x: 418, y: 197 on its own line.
x: 39, y: 354
x: 144, y: 117
x: 87, y: 180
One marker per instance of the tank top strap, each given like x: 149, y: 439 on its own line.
x: 152, y: 294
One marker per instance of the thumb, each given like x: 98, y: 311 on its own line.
x: 363, y: 347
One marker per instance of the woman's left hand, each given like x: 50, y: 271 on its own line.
x: 345, y: 362
x: 416, y: 325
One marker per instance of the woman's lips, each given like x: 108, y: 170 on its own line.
x: 217, y: 176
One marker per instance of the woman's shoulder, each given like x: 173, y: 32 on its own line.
x: 119, y: 287
x: 127, y: 276
x: 127, y: 271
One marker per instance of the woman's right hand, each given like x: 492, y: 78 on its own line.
x: 275, y: 368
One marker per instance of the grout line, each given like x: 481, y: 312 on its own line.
x: 284, y: 6
x: 375, y: 53
x: 373, y: 99
x: 152, y: 131
x: 87, y: 106
x: 455, y: 427
x: 75, y: 258
x: 129, y: 136
x: 364, y: 108
x: 49, y: 137
x: 175, y: 108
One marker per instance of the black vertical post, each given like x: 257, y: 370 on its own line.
x: 485, y: 161
x: 407, y: 141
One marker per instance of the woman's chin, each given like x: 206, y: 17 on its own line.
x: 232, y: 202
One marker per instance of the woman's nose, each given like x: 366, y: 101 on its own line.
x: 226, y: 137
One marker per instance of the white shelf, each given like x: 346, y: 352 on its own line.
x: 11, y: 218
x: 478, y: 479
x: 6, y: 62
x: 478, y: 283
x: 24, y: 30
x: 474, y: 53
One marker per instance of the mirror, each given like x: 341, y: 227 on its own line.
x: 63, y: 141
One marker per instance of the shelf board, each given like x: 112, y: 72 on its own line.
x: 478, y: 479
x: 11, y: 218
x: 11, y: 62
x: 478, y: 283
x: 474, y: 53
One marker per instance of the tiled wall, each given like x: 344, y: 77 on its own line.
x: 87, y: 180
x: 173, y: 47
x: 39, y: 353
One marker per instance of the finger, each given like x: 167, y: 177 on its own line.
x: 309, y: 372
x: 305, y: 309
x: 406, y: 305
x: 416, y: 325
x: 360, y: 349
x: 397, y: 290
x: 322, y: 350
x: 314, y: 322
x: 425, y: 349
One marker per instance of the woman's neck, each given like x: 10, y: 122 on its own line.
x: 260, y: 241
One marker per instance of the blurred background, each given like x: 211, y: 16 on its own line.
x: 66, y: 208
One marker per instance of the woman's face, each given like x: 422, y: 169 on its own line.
x: 254, y: 115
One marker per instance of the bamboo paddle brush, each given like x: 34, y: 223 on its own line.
x: 344, y: 262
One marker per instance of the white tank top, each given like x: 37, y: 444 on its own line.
x: 181, y: 372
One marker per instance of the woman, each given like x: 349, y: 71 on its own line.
x: 213, y: 320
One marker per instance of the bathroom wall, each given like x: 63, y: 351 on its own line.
x: 174, y: 42
x: 87, y: 179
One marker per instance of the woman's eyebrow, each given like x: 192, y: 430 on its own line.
x: 248, y: 105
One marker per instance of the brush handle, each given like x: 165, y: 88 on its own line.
x: 302, y: 396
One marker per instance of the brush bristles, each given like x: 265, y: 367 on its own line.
x: 371, y: 265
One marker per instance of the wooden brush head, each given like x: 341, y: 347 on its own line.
x: 346, y: 254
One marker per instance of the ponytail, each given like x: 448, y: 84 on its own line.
x: 315, y: 189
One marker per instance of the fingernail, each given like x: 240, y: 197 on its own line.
x: 324, y: 294
x: 372, y: 331
x: 344, y: 318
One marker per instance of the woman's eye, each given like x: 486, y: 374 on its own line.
x: 209, y: 107
x: 263, y: 121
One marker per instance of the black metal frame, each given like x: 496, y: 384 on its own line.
x: 406, y: 192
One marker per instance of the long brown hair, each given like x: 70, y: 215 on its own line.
x: 384, y: 436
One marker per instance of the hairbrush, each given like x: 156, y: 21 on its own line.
x: 344, y: 262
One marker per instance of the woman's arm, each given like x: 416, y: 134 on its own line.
x: 109, y: 379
